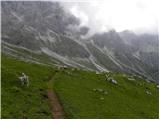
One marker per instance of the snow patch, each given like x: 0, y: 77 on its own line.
x: 15, y: 46
x: 137, y: 55
x: 18, y: 17
x: 111, y: 56
x: 65, y: 59
x: 48, y: 36
x: 96, y: 65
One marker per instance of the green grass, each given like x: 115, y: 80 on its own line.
x: 128, y: 99
x: 74, y: 88
x: 24, y: 102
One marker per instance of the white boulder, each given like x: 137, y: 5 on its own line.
x: 112, y: 80
x: 149, y: 93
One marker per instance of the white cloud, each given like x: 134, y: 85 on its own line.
x: 101, y: 15
x: 79, y: 14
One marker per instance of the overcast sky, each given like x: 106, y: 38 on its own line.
x: 102, y: 15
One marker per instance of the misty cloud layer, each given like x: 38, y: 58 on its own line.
x: 139, y: 16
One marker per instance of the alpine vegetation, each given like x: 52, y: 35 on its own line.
x: 79, y: 60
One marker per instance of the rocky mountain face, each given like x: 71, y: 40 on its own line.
x: 45, y: 28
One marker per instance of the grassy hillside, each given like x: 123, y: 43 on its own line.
x: 127, y: 99
x: 83, y: 94
x: 19, y: 101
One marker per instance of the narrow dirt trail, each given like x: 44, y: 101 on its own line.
x: 57, y: 109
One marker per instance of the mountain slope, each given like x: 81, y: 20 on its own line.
x: 46, y: 29
x: 83, y: 94
x: 21, y: 101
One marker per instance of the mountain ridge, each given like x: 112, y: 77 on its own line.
x: 44, y: 27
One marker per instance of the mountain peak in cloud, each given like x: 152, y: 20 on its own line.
x: 138, y: 16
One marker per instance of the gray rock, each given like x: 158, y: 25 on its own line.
x: 112, y: 80
x: 131, y: 79
x: 100, y: 90
x: 157, y: 86
x: 149, y: 93
x: 94, y: 89
x: 102, y: 98
x: 105, y: 92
